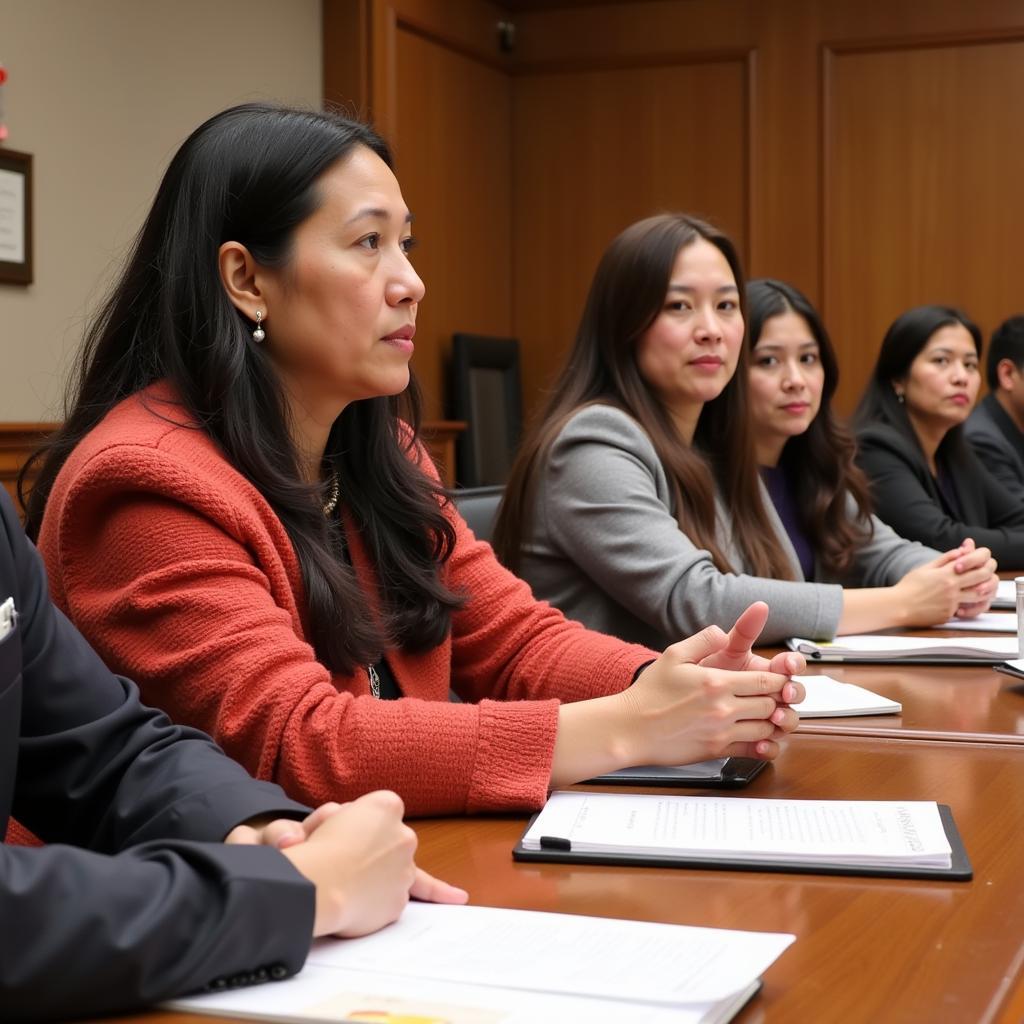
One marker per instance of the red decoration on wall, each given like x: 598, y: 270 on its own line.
x: 3, y: 127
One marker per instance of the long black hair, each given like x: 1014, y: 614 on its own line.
x: 625, y: 298
x: 820, y: 461
x: 250, y: 174
x: 907, y: 336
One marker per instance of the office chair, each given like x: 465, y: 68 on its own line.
x: 487, y: 394
x: 479, y: 507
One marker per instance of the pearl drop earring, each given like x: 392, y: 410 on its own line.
x: 259, y: 334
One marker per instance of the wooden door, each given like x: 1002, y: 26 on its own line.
x: 431, y: 75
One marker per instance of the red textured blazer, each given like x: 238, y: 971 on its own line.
x: 183, y: 578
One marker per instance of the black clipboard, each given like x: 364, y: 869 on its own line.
x: 920, y: 659
x: 859, y: 658
x: 735, y: 774
x: 960, y: 869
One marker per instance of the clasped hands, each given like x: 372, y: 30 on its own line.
x: 359, y: 856
x: 976, y: 571
x: 738, y: 709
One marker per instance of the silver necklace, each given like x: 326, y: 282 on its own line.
x: 374, y: 681
x: 332, y: 495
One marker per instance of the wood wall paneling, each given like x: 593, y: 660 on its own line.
x: 463, y: 26
x: 865, y: 152
x: 922, y: 185
x: 453, y: 158
x: 595, y: 150
x: 785, y: 178
x: 659, y: 30
x: 347, y: 39
x: 17, y: 442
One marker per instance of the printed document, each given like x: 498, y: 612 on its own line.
x: 863, y: 833
x: 481, y: 965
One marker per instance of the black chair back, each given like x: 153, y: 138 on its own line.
x: 487, y: 394
x: 479, y: 507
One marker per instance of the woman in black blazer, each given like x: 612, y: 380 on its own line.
x: 927, y: 482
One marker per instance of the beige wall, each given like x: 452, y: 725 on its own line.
x: 101, y: 92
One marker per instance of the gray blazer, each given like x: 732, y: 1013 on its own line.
x: 605, y: 548
x: 998, y: 444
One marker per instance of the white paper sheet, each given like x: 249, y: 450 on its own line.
x: 1006, y: 595
x: 828, y: 697
x: 481, y: 965
x: 632, y: 960
x: 883, y: 833
x: 988, y: 622
x: 338, y: 995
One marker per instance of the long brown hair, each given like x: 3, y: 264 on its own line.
x: 626, y: 296
x: 820, y: 461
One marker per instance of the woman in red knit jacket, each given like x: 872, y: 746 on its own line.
x: 238, y: 513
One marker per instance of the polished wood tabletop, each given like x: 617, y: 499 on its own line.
x: 868, y: 949
x: 970, y: 703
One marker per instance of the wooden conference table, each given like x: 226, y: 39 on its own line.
x: 940, y: 702
x: 878, y: 950
x: 875, y: 950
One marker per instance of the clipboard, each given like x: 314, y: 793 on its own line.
x: 893, y: 659
x: 960, y: 869
x: 945, y: 653
x: 734, y: 774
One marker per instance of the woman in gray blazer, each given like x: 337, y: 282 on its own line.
x: 635, y: 506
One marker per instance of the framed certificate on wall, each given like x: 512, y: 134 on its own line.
x: 15, y: 217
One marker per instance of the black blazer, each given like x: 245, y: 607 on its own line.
x: 998, y: 444
x: 907, y: 497
x: 152, y: 905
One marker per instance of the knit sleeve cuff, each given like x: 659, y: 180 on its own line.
x: 512, y: 771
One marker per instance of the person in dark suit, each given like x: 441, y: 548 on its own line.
x: 138, y: 899
x: 995, y: 430
x: 927, y: 482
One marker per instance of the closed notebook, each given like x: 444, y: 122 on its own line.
x: 924, y: 650
x: 916, y: 839
x: 829, y: 698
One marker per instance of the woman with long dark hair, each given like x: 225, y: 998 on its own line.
x: 635, y: 505
x: 927, y: 482
x: 237, y: 511
x: 807, y: 463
